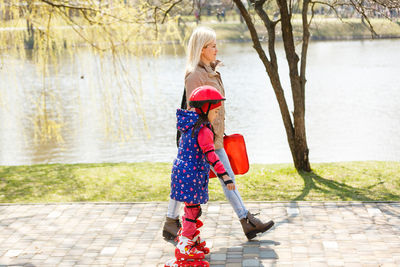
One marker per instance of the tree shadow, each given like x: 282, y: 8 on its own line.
x: 390, y: 211
x: 28, y: 264
x: 259, y: 251
x: 315, y: 182
x: 250, y: 253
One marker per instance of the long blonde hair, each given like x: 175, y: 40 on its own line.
x: 201, y: 37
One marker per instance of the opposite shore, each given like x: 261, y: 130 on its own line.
x: 322, y: 28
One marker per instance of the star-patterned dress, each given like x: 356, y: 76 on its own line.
x: 190, y: 171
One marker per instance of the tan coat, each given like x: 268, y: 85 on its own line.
x: 206, y: 75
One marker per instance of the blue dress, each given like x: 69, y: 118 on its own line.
x: 189, y: 176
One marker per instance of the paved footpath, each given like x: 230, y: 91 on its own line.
x: 129, y: 234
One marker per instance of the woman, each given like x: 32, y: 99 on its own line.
x: 201, y: 70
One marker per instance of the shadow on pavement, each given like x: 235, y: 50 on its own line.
x: 20, y: 264
x: 250, y: 253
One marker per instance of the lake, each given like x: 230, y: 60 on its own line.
x: 100, y: 115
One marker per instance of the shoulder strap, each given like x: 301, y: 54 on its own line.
x: 183, y: 102
x: 183, y: 106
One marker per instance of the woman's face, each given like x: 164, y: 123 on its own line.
x: 209, y: 52
x: 212, y: 114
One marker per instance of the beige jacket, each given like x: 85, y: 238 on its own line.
x: 206, y: 75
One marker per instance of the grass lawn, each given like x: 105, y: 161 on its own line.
x: 361, y: 181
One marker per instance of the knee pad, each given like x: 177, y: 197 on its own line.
x: 193, y: 209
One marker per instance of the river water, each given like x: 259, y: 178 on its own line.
x: 352, y: 105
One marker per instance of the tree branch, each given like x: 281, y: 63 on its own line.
x: 272, y: 73
x: 391, y: 4
x: 288, y: 39
x: 253, y: 31
x: 59, y: 5
x: 270, y: 26
x: 361, y: 11
x: 169, y: 10
x: 312, y: 14
x: 74, y: 25
x: 304, y: 48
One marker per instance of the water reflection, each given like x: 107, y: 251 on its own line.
x: 352, y: 98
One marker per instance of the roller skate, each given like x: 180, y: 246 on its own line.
x: 187, y: 254
x: 188, y: 263
x: 199, y: 243
x: 185, y: 249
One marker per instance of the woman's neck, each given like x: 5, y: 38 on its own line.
x: 206, y: 62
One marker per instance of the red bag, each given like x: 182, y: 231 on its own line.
x: 235, y: 148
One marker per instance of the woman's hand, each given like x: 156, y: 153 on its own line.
x: 230, y: 186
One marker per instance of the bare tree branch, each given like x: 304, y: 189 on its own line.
x: 360, y: 9
x: 62, y: 5
x: 169, y: 10
x: 74, y: 25
x: 287, y: 36
x: 333, y: 6
x: 304, y: 47
x: 270, y: 26
x: 253, y: 32
x: 312, y: 14
x: 391, y: 4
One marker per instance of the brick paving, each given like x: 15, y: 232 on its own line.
x: 129, y: 234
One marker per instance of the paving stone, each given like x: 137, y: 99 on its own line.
x: 129, y: 234
x: 251, y: 263
x: 13, y: 253
x: 330, y: 245
x: 234, y: 256
x: 235, y: 248
x: 268, y: 254
x: 251, y: 250
x: 218, y: 257
x: 108, y: 251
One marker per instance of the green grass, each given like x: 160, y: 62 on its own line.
x: 361, y: 181
x: 347, y: 181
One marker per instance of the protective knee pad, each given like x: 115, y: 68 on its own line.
x: 192, y: 212
x: 189, y: 220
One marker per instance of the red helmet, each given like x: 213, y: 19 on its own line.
x: 205, y: 98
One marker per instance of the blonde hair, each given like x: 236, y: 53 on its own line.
x: 201, y: 37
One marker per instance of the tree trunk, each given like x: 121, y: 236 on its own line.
x: 295, y: 131
x: 300, y: 155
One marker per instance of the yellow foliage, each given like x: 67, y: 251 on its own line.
x: 41, y: 31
